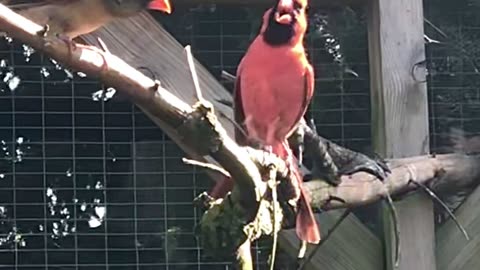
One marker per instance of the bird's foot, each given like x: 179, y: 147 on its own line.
x: 332, y: 179
x: 70, y: 44
x: 67, y: 40
x: 44, y: 31
x: 157, y: 84
x: 376, y: 167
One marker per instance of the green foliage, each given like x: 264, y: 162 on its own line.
x: 220, y: 229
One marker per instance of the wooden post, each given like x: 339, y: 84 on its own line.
x: 400, y: 117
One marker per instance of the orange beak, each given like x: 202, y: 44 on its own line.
x: 161, y: 5
x: 284, y: 12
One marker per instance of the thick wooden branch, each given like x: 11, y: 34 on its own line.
x: 444, y: 173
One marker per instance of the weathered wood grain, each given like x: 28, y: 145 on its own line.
x: 453, y: 251
x: 400, y: 116
x: 351, y: 247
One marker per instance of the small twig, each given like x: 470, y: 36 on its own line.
x: 203, y: 200
x: 103, y: 46
x: 105, y: 49
x: 464, y: 53
x: 393, y: 212
x: 244, y: 259
x: 193, y: 72
x: 324, y: 239
x: 435, y: 27
x: 208, y: 166
x: 430, y: 40
x: 225, y: 102
x: 434, y: 196
x: 235, y: 124
x: 273, y: 186
x: 302, y: 250
x: 228, y: 77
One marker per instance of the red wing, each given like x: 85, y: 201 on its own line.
x: 309, y: 83
x: 308, y: 88
x: 239, y: 114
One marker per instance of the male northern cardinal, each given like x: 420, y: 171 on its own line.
x: 273, y: 88
x: 72, y: 18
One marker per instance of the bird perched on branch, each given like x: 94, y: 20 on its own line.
x: 71, y: 18
x: 274, y: 86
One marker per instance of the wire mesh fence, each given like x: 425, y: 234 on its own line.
x: 68, y: 159
x: 454, y: 75
x: 86, y: 184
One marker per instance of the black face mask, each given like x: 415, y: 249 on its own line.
x: 278, y: 34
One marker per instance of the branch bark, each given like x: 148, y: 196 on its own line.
x: 449, y: 173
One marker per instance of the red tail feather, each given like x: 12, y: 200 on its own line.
x: 307, y: 228
x: 221, y: 188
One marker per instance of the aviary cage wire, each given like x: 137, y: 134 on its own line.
x: 87, y: 184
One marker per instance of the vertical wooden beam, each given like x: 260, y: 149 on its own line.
x: 400, y: 117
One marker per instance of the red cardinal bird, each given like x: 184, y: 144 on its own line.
x: 274, y: 86
x: 72, y: 18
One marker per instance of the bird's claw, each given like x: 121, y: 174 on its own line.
x: 311, y: 124
x: 332, y: 179
x: 204, y: 200
x: 157, y: 84
x: 375, y: 167
x: 68, y: 41
x: 44, y: 31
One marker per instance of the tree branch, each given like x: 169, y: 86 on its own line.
x: 452, y: 172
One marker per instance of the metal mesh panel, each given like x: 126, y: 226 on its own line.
x: 85, y: 184
x: 454, y: 97
x: 93, y: 185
